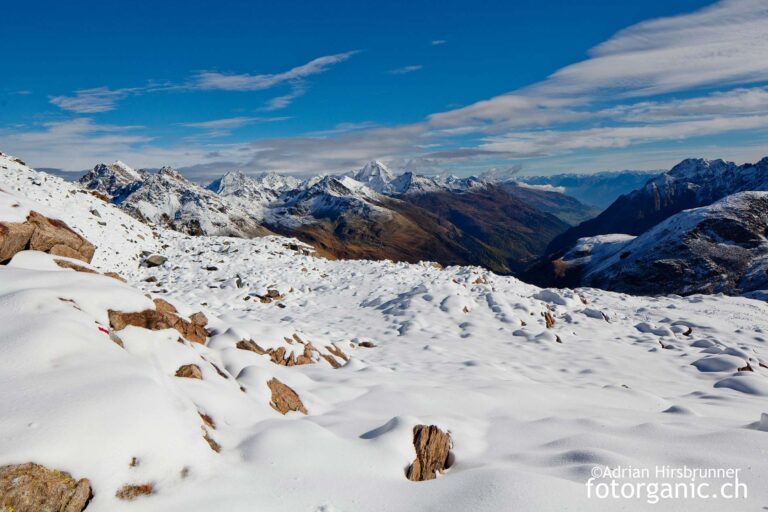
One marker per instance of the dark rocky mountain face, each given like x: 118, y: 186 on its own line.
x: 720, y: 248
x: 564, y: 207
x: 690, y: 184
x: 486, y: 226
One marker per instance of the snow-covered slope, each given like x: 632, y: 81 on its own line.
x: 614, y: 381
x: 717, y: 248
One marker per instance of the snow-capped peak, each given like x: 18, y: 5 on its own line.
x: 374, y: 174
x: 109, y: 178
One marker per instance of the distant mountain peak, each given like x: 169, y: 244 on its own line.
x: 374, y: 174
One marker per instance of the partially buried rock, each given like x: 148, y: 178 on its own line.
x: 189, y: 371
x: 250, y: 345
x: 155, y: 260
x: 131, y: 492
x: 433, y: 452
x: 284, y: 399
x: 35, y: 488
x: 158, y: 320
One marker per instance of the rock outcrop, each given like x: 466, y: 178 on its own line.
x: 433, y: 450
x: 284, y: 399
x: 40, y: 233
x: 159, y: 319
x: 35, y: 488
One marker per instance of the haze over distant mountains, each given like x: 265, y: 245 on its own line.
x: 599, y: 189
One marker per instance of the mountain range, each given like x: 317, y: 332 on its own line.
x: 702, y: 227
x: 367, y: 213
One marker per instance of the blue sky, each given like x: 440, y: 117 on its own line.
x: 306, y: 87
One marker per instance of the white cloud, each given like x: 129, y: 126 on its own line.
x: 405, y: 69
x: 438, y: 42
x: 722, y: 45
x: 280, y: 102
x: 547, y: 142
x: 92, y: 101
x: 223, y: 127
x: 210, y: 80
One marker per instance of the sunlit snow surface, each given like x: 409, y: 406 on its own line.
x: 529, y: 416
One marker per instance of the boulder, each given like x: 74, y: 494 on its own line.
x: 55, y: 237
x: 155, y: 260
x: 284, y: 399
x: 35, y: 488
x: 189, y: 371
x: 39, y: 233
x: 433, y: 451
x: 13, y: 238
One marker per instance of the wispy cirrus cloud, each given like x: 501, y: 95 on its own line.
x: 213, y: 80
x: 438, y: 42
x: 280, y: 102
x: 93, y: 101
x: 405, y: 69
x: 225, y: 126
x: 104, y: 99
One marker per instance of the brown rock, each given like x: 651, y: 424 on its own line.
x: 250, y: 345
x: 164, y: 306
x: 211, y: 442
x: 199, y: 319
x: 549, y: 319
x: 207, y: 420
x: 35, y: 488
x: 366, y: 344
x: 433, y: 449
x: 331, y: 360
x: 157, y: 320
x: 190, y: 371
x: 284, y: 399
x: 73, y: 266
x: 14, y: 237
x: 115, y: 275
x: 131, y: 492
x: 56, y: 237
x: 333, y: 349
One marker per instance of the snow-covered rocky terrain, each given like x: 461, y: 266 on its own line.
x: 720, y: 248
x: 692, y: 183
x: 536, y: 386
